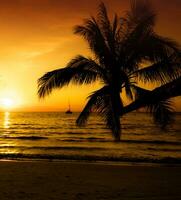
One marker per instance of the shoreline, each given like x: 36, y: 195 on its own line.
x: 94, y: 162
x: 90, y: 158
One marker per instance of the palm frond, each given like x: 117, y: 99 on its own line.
x: 128, y: 88
x: 161, y: 72
x: 91, y: 32
x: 95, y: 99
x: 104, y: 21
x: 134, y: 40
x: 115, y: 26
x: 107, y: 28
x: 162, y: 112
x: 169, y: 44
x: 88, y: 64
x: 80, y: 71
x: 140, y: 10
x: 157, y: 48
x: 142, y: 43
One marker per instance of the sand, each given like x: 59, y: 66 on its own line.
x: 84, y: 181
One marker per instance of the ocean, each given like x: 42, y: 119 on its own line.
x: 55, y: 136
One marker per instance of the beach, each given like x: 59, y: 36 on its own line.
x: 51, y: 180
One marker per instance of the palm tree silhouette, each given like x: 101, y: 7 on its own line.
x: 126, y: 51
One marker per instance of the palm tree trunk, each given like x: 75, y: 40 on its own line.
x: 117, y: 106
x: 169, y: 90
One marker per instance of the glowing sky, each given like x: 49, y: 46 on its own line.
x: 36, y: 36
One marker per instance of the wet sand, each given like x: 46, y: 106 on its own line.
x: 43, y: 180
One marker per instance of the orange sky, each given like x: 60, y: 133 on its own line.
x: 36, y: 37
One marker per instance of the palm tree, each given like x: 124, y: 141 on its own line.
x: 126, y: 51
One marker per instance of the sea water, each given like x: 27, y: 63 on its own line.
x: 54, y: 135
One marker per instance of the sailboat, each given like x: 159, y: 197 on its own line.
x: 69, y: 110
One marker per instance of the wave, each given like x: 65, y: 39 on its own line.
x: 83, y: 148
x: 23, y: 124
x: 81, y: 139
x: 164, y: 160
x: 96, y: 139
x: 163, y: 142
x: 164, y: 149
x: 53, y: 148
x: 32, y: 128
x: 25, y: 137
x: 93, y: 139
x: 152, y: 142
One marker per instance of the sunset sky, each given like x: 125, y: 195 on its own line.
x: 36, y: 36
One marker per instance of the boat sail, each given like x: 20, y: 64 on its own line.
x: 69, y: 110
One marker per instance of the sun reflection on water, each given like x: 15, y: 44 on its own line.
x: 6, y: 120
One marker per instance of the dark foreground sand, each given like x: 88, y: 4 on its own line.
x: 71, y: 180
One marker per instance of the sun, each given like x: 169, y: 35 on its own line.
x: 7, y: 102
